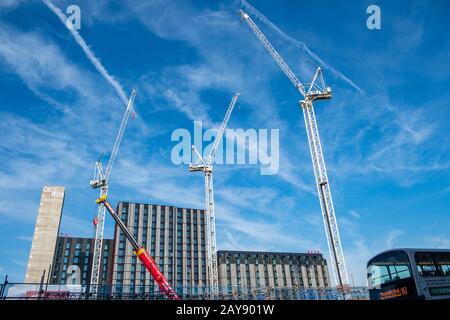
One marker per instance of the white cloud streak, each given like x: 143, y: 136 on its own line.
x: 89, y: 54
x: 8, y: 4
x: 392, y: 236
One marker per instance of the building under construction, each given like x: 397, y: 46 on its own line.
x: 311, y: 92
x: 177, y: 247
x: 176, y: 237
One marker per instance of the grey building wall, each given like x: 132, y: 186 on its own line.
x: 248, y: 271
x: 72, y: 261
x: 174, y: 237
x: 45, y: 233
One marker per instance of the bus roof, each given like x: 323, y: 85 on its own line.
x: 408, y: 250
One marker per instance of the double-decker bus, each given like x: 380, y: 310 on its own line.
x: 409, y: 274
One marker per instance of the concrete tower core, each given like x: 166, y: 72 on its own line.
x: 45, y: 233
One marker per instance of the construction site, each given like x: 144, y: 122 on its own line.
x: 311, y: 92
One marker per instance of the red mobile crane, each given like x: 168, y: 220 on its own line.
x: 141, y: 253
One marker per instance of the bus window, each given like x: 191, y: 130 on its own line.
x: 433, y: 264
x: 388, y: 268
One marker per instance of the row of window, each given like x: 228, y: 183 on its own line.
x: 78, y: 246
x: 296, y: 279
x: 268, y: 259
x: 171, y: 216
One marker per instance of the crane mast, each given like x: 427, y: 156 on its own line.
x: 315, y: 91
x: 100, y: 180
x: 207, y: 168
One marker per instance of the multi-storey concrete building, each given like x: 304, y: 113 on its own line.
x: 175, y: 237
x: 72, y: 263
x: 45, y: 233
x: 247, y: 271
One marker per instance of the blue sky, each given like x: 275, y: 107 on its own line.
x: 385, y: 133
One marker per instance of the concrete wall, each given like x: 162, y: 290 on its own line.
x: 45, y: 233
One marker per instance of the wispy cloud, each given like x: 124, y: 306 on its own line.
x: 355, y: 214
x: 392, y: 236
x: 25, y: 238
x: 38, y: 150
x: 8, y: 4
x: 298, y: 44
x: 441, y: 242
x: 258, y: 199
x: 357, y: 252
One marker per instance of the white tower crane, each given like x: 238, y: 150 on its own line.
x: 316, y: 90
x: 207, y: 168
x: 101, y: 179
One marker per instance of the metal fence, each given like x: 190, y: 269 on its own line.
x: 39, y: 291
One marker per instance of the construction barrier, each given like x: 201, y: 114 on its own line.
x: 24, y: 291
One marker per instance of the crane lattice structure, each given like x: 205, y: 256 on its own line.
x: 206, y: 167
x: 101, y: 180
x: 316, y: 90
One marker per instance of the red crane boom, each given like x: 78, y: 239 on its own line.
x: 141, y: 253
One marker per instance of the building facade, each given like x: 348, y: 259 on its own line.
x: 72, y: 263
x: 248, y: 271
x: 174, y: 237
x: 45, y: 233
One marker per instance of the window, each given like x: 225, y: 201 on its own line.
x: 433, y: 264
x: 389, y: 267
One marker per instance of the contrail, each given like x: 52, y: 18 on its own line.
x: 90, y: 55
x: 299, y: 44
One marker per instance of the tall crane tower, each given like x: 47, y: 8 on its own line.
x: 316, y: 90
x: 101, y: 180
x: 206, y: 167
